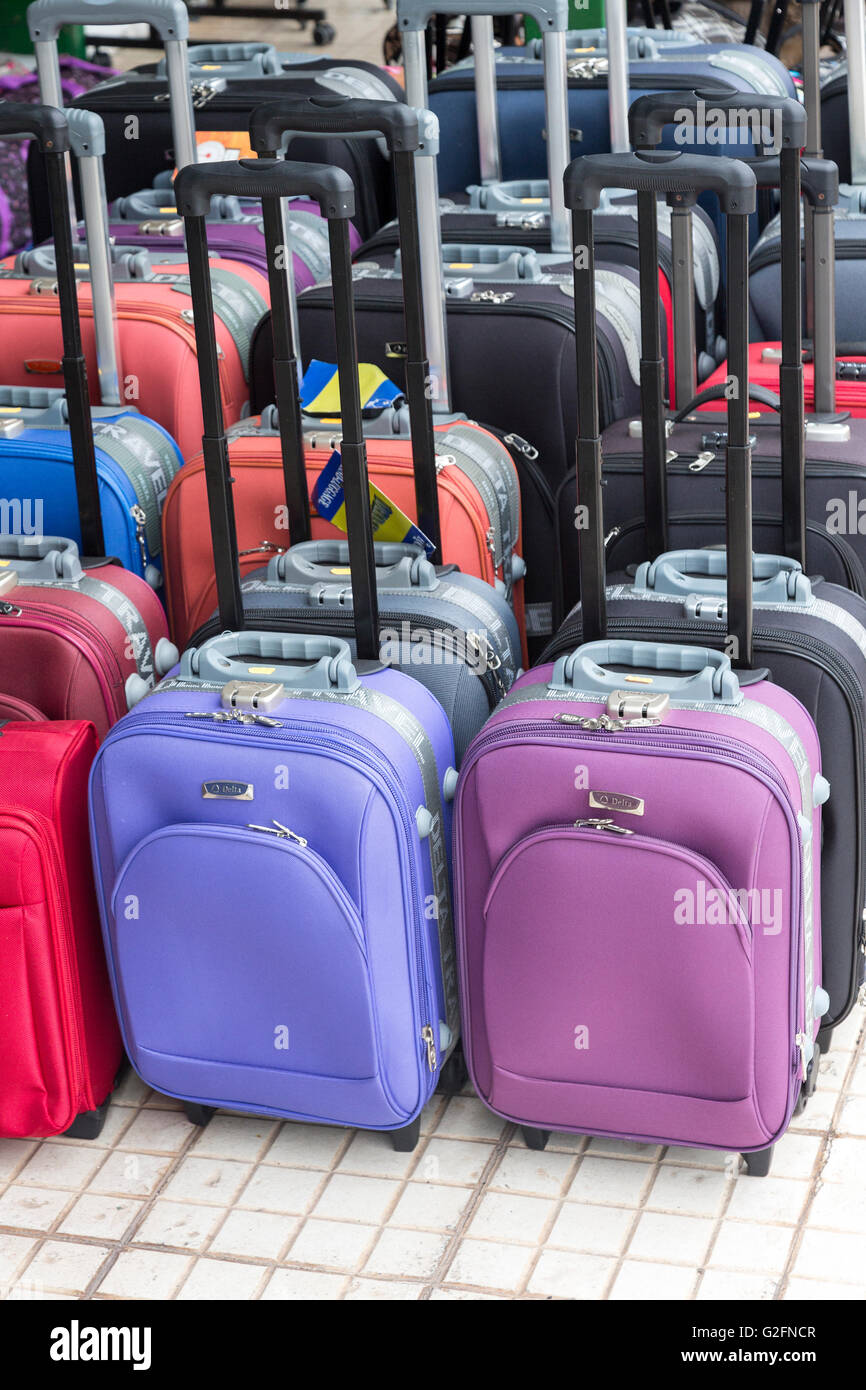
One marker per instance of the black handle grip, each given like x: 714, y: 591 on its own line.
x: 331, y: 188
x: 819, y: 178
x: 44, y: 124
x: 649, y: 115
x: 681, y: 176
x: 762, y: 395
x: 334, y: 115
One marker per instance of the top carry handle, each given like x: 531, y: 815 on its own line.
x: 49, y: 128
x: 271, y: 180
x: 681, y: 177
x: 552, y: 19
x: 169, y: 18
x: 402, y: 129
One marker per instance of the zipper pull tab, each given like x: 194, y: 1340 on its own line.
x: 804, y: 1047
x: 281, y: 832
x: 430, y: 1042
x: 595, y: 823
x: 698, y: 464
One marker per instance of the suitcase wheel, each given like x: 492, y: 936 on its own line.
x: 404, y: 1140
x: 323, y: 33
x: 454, y: 1074
x: 88, y: 1124
x: 535, y: 1138
x: 758, y: 1163
x: 823, y: 1040
x: 198, y: 1114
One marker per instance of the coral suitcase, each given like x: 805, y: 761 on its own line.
x: 634, y: 961
x: 479, y: 499
x: 282, y: 952
x: 79, y: 638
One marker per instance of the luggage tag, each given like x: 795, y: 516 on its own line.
x: 389, y: 523
x: 320, y: 388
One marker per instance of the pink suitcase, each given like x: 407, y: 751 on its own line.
x: 79, y: 639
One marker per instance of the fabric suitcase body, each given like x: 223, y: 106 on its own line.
x: 156, y: 336
x: 59, y: 1043
x: 149, y: 219
x: 594, y: 1032
x: 509, y: 353
x: 224, y: 104
x: 136, y: 461
x: 346, y: 1007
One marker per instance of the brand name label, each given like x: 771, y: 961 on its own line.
x: 617, y: 801
x: 227, y: 791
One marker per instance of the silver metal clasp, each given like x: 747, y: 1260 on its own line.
x: 259, y: 697
x: 637, y: 704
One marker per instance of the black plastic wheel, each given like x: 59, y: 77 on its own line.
x: 758, y: 1163
x: 454, y: 1074
x: 824, y: 1039
x: 323, y: 33
x: 535, y: 1138
x: 200, y: 1115
x: 404, y: 1140
x: 88, y: 1124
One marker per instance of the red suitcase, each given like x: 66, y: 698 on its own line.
x: 79, y: 639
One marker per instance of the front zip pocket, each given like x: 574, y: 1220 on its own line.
x: 618, y: 961
x: 243, y: 949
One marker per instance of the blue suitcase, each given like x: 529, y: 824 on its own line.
x: 276, y: 910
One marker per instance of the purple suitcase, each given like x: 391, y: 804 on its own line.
x: 276, y: 908
x: 150, y: 219
x: 635, y: 960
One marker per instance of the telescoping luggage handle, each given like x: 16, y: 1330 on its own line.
x: 681, y: 178
x: 402, y: 128
x: 87, y: 142
x: 648, y: 117
x: 169, y: 18
x: 551, y: 17
x: 271, y: 180
x: 49, y: 128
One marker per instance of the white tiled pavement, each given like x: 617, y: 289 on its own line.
x: 250, y: 1209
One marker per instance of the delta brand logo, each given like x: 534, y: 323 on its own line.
x: 77, y: 1343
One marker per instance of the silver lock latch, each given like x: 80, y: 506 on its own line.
x: 260, y: 697
x: 637, y: 704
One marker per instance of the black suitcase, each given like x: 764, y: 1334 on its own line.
x: 811, y: 634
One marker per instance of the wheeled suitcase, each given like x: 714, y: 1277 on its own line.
x: 135, y: 458
x: 455, y: 633
x: 478, y: 486
x: 79, y: 638
x: 60, y: 1047
x: 634, y: 961
x: 809, y: 632
x: 223, y: 100
x: 321, y: 912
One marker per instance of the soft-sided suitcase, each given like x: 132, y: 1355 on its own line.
x: 60, y: 1047
x: 479, y: 494
x: 276, y: 910
x: 452, y: 631
x: 222, y: 99
x: 79, y: 638
x: 136, y: 459
x: 634, y: 960
x: 810, y: 633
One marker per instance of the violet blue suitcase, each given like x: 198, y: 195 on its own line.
x: 276, y: 907
x: 636, y: 961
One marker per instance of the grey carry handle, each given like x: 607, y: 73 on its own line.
x: 44, y: 558
x: 250, y: 59
x: 30, y: 397
x: 169, y: 18
x: 712, y: 678
x: 649, y: 115
x: 552, y: 19
x: 504, y: 264
x: 159, y: 203
x: 681, y: 573
x: 398, y: 566
x: 680, y: 177
x: 328, y: 660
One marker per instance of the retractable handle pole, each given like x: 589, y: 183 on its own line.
x: 681, y: 178
x: 87, y: 141
x: 403, y: 130
x: 271, y: 181
x: 49, y: 127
